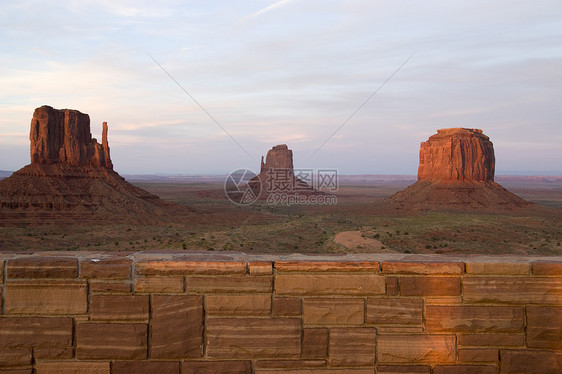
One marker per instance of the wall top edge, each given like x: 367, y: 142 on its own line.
x: 158, y: 255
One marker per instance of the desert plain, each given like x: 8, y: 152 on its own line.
x: 360, y: 222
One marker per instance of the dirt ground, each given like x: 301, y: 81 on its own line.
x: 359, y: 222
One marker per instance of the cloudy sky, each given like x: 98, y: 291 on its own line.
x: 289, y: 71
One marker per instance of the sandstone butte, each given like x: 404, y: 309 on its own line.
x: 277, y: 175
x: 456, y: 171
x: 71, y: 177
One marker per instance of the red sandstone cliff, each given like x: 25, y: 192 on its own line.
x: 71, y: 178
x: 278, y: 157
x: 456, y: 171
x: 64, y: 136
x: 457, y: 155
x: 277, y: 175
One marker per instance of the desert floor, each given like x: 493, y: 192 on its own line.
x: 357, y: 223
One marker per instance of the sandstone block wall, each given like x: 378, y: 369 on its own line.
x: 233, y: 313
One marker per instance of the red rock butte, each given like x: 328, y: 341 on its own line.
x: 278, y: 157
x: 277, y: 175
x: 63, y: 136
x: 71, y: 178
x: 457, y: 155
x: 456, y: 171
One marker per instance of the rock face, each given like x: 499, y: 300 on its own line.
x: 457, y: 155
x: 277, y: 175
x: 71, y: 178
x: 63, y: 136
x: 456, y: 171
x: 278, y: 157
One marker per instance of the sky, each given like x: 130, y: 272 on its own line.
x: 206, y: 87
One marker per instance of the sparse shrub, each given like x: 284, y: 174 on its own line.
x: 184, y: 246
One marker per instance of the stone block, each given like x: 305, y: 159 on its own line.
x: 530, y: 362
x: 46, y: 297
x: 512, y: 290
x: 544, y: 327
x: 289, y: 364
x: 53, y: 353
x: 155, y: 284
x: 253, y: 338
x: 42, y: 267
x: 176, y: 326
x: 420, y: 267
x: 315, y: 343
x: 260, y: 268
x: 465, y: 369
x: 392, y: 286
x: 497, y: 268
x: 105, y: 287
x: 474, y: 319
x: 111, y: 341
x: 329, y: 284
x: 190, y: 267
x: 119, y: 308
x: 491, y: 340
x: 315, y: 371
x: 326, y: 311
x: 430, y: 286
x: 228, y: 284
x: 352, y: 346
x: 238, y: 305
x: 36, y: 332
x: 394, y: 311
x: 287, y: 306
x: 17, y: 356
x: 478, y: 355
x: 106, y: 268
x: 546, y: 268
x: 145, y: 367
x: 327, y: 266
x: 70, y: 367
x: 222, y: 367
x: 418, y: 349
x: 403, y: 369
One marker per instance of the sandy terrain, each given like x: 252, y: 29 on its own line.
x: 357, y: 223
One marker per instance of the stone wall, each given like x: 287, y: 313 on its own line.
x: 234, y: 313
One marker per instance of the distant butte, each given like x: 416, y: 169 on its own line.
x: 71, y: 178
x: 456, y: 171
x: 277, y: 175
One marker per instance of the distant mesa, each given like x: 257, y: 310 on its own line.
x: 456, y: 171
x: 277, y: 175
x: 457, y: 155
x: 278, y: 157
x: 63, y: 137
x: 71, y: 177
